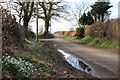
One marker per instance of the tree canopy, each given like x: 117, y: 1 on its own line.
x: 100, y: 9
x: 50, y: 10
x: 25, y: 10
x: 90, y: 19
x: 98, y: 13
x: 86, y: 19
x: 83, y: 19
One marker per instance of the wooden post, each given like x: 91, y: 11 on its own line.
x: 36, y: 21
x: 1, y: 13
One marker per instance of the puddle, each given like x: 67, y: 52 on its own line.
x: 76, y: 62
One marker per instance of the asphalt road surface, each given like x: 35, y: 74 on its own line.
x: 104, y: 63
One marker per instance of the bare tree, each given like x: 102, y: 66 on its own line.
x: 80, y: 9
x: 51, y: 10
x: 24, y: 11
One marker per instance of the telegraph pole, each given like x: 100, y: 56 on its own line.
x: 36, y: 21
x: 50, y: 26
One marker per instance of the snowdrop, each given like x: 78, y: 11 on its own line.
x: 25, y: 67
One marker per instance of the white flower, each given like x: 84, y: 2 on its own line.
x: 8, y: 57
x: 25, y: 67
x: 35, y: 69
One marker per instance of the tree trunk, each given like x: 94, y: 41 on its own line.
x: 99, y: 18
x: 95, y: 19
x: 25, y: 24
x: 46, y: 27
x: 102, y: 17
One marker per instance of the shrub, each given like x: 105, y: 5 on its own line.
x: 10, y: 29
x: 80, y: 32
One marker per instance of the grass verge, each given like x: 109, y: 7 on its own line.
x: 95, y: 41
x: 100, y: 42
x: 67, y: 36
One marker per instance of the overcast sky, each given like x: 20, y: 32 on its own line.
x: 64, y: 25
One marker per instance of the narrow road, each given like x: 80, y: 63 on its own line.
x: 104, y: 63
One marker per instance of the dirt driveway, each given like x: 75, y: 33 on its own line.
x: 104, y: 63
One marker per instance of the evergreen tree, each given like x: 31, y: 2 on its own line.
x: 83, y: 19
x: 86, y: 19
x: 90, y: 19
x: 99, y: 9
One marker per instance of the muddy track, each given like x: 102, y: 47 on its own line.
x: 60, y: 65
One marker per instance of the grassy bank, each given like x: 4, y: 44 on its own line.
x: 29, y: 62
x: 95, y: 41
x: 100, y: 42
